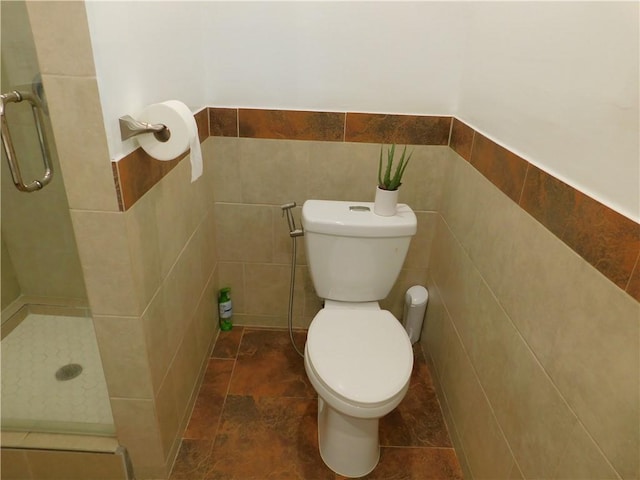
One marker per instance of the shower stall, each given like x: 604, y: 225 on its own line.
x: 52, y: 376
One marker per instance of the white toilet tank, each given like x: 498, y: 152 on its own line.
x: 353, y: 254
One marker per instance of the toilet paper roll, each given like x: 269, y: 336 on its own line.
x: 184, y: 134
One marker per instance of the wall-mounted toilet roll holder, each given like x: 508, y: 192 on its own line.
x: 130, y: 127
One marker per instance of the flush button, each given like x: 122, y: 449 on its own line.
x: 359, y: 208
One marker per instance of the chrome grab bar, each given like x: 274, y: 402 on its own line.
x: 7, y: 143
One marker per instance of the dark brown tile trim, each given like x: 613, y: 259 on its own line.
x: 462, y: 139
x: 503, y: 168
x: 291, y: 125
x: 136, y: 173
x: 609, y: 241
x: 223, y: 122
x: 604, y: 238
x: 400, y: 129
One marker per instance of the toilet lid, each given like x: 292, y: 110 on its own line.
x: 363, y: 355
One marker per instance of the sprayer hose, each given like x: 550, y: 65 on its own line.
x: 291, y: 289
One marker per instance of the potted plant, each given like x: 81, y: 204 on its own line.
x: 388, y: 183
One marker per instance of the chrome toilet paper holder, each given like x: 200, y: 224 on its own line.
x: 130, y: 127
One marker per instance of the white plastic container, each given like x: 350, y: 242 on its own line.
x: 415, y: 306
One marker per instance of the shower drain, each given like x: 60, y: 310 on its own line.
x: 68, y: 372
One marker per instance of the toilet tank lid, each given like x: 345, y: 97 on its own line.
x: 355, y: 219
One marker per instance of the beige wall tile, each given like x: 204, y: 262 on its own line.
x: 244, y: 233
x: 206, y: 316
x: 515, y: 473
x: 206, y: 238
x: 343, y: 171
x: 106, y: 262
x: 458, y: 380
x: 231, y: 274
x: 156, y: 338
x: 282, y: 241
x: 10, y: 287
x: 267, y: 290
x: 485, y: 447
x: 124, y: 356
x: 168, y: 419
x: 138, y: 431
x: 420, y: 248
x: 226, y: 182
x: 74, y: 105
x: 583, y: 459
x: 273, y: 171
x: 543, y: 309
x: 61, y: 34
x: 424, y: 178
x: 52, y: 465
x: 175, y: 219
x: 185, y: 370
x: 582, y: 328
x: 595, y: 365
x: 182, y: 289
x: 142, y: 228
x: 432, y: 330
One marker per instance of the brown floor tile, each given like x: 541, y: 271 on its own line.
x: 417, y: 421
x: 208, y: 407
x: 192, y: 461
x: 266, y: 426
x: 415, y: 464
x: 227, y: 343
x: 267, y: 438
x: 267, y: 365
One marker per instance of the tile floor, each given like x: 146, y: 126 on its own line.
x: 255, y: 418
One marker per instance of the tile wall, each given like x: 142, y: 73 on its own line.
x: 154, y: 252
x: 536, y: 352
x: 149, y: 266
x: 49, y: 269
x: 262, y: 159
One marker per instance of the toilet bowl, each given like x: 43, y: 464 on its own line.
x: 359, y: 360
x: 357, y: 357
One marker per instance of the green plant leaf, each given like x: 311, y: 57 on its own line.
x: 389, y: 182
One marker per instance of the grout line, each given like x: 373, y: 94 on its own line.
x: 344, y: 127
x: 538, y: 363
x: 524, y: 182
x: 450, y: 132
x: 636, y: 266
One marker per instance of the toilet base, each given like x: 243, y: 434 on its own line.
x: 348, y: 445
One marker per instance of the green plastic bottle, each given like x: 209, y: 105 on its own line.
x: 225, y: 309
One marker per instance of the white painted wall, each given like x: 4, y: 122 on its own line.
x: 375, y: 57
x: 146, y: 52
x: 555, y: 82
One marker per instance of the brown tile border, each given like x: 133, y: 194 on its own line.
x: 461, y: 139
x: 291, y: 125
x: 504, y: 169
x: 606, y: 239
x: 136, y: 173
x: 223, y: 122
x: 400, y: 129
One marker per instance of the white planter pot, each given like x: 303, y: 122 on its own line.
x: 385, y: 203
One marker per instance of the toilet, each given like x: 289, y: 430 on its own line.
x: 358, y: 357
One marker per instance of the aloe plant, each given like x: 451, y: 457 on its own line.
x: 388, y: 182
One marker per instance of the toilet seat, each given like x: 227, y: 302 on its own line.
x: 361, y: 355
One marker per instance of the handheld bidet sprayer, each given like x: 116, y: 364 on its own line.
x: 293, y: 233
